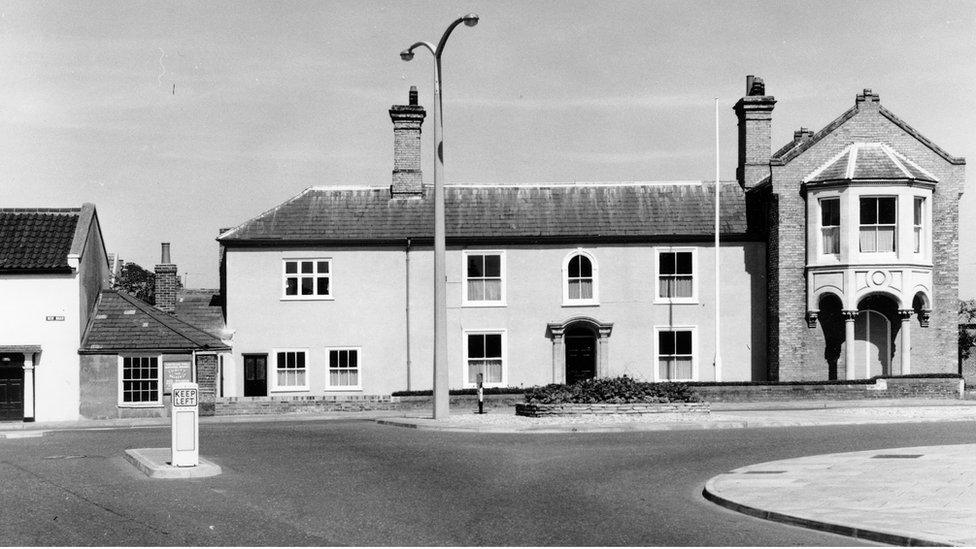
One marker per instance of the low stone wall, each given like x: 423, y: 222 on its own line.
x: 303, y: 404
x: 462, y: 402
x: 638, y: 408
x: 937, y: 388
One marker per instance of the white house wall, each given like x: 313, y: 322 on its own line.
x: 368, y: 312
x: 27, y: 301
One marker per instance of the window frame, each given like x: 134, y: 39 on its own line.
x: 695, y: 374
x: 272, y: 371
x: 359, y: 369
x: 918, y: 242
x: 860, y: 225
x: 693, y: 299
x: 822, y: 236
x: 594, y: 280
x: 315, y: 275
x: 465, y: 302
x: 464, y: 355
x: 120, y: 395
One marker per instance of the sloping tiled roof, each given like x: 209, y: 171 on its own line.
x: 37, y: 239
x: 123, y: 323
x: 869, y: 161
x: 201, y: 308
x: 578, y: 212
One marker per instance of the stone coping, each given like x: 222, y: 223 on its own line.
x: 632, y: 408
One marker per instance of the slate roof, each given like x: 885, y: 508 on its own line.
x: 37, y: 239
x: 871, y: 162
x: 201, y: 308
x: 121, y: 322
x: 568, y: 212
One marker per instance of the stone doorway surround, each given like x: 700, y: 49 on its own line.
x: 557, y: 330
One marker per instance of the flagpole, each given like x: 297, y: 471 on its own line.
x: 718, y: 311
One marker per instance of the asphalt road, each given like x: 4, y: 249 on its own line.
x: 358, y: 483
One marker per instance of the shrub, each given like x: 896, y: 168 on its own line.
x: 615, y: 390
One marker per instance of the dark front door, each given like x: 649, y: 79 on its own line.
x: 11, y: 386
x: 255, y: 375
x: 580, y: 356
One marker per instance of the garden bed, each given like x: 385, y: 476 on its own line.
x: 633, y: 408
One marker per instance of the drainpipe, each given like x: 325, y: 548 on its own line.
x: 406, y: 255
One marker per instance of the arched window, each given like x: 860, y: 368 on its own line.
x: 579, y: 279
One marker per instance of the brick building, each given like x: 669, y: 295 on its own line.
x: 839, y: 258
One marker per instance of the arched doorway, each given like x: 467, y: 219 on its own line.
x: 580, y: 354
x: 874, y: 336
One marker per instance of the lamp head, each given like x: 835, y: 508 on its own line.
x: 470, y: 19
x: 406, y: 55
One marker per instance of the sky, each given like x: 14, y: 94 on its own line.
x: 179, y: 118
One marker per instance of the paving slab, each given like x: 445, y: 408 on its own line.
x: 921, y: 495
x: 155, y: 463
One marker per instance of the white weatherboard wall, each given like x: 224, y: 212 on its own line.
x: 27, y: 301
x: 369, y: 309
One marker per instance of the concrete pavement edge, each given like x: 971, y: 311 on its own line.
x: 709, y: 493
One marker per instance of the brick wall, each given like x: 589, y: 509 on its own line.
x: 930, y: 388
x: 637, y: 408
x: 795, y: 350
x: 207, y: 383
x: 303, y: 404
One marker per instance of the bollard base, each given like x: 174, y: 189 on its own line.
x: 155, y: 463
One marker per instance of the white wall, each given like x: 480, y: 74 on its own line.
x: 369, y: 310
x: 25, y: 301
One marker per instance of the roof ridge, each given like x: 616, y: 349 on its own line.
x: 163, y: 317
x: 824, y: 132
x: 41, y: 210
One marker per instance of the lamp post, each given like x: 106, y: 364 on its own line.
x: 441, y: 399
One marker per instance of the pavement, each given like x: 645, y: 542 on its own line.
x: 903, y: 496
x: 924, y: 495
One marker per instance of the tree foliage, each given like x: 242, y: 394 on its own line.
x: 967, y: 333
x: 137, y: 281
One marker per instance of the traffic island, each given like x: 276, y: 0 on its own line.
x: 155, y: 463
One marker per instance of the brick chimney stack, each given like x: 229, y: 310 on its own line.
x: 408, y: 179
x: 755, y: 114
x: 166, y: 282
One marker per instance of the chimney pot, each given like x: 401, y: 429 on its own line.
x: 413, y: 95
x: 165, y: 255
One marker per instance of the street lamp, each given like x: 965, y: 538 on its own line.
x: 441, y: 399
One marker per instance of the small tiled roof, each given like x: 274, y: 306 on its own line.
x: 37, y: 239
x: 579, y: 212
x: 201, y: 308
x: 121, y: 322
x: 869, y: 162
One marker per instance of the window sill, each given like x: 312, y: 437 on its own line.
x: 307, y: 298
x: 289, y: 390
x: 581, y: 303
x: 484, y: 304
x: 344, y: 389
x: 682, y: 301
x: 141, y: 405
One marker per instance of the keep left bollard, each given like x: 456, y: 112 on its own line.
x: 185, y: 417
